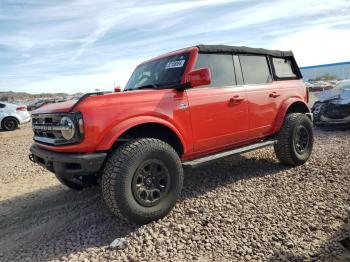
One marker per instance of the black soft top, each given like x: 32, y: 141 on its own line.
x: 226, y: 49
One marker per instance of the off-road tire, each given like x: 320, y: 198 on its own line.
x: 286, y: 148
x: 120, y: 169
x: 9, y: 124
x: 88, y: 181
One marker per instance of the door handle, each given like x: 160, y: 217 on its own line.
x: 236, y: 99
x: 274, y: 94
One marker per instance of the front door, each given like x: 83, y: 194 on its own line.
x: 219, y: 117
x: 219, y: 112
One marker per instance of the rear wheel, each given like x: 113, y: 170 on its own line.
x: 142, y: 180
x: 295, y: 140
x: 10, y: 124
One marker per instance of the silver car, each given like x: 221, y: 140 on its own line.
x: 12, y: 115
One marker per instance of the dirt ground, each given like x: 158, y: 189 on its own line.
x: 246, y: 208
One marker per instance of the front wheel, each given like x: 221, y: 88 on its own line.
x: 142, y: 180
x: 295, y: 140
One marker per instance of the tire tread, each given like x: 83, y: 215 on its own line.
x: 116, y: 169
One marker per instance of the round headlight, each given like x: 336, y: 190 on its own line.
x: 69, y: 130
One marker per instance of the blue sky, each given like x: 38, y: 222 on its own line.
x: 80, y: 45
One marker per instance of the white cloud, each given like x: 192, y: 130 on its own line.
x: 317, y: 46
x: 81, y: 45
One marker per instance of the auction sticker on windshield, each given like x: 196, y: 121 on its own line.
x: 175, y: 64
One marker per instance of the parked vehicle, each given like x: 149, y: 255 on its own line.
x: 181, y: 109
x: 37, y: 104
x: 333, y: 106
x: 12, y: 115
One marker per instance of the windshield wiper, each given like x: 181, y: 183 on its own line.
x: 148, y: 86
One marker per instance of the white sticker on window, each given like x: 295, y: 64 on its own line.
x: 175, y: 64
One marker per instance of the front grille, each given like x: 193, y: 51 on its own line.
x: 47, y: 128
x: 335, y: 111
x: 44, y: 126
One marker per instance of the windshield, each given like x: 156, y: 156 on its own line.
x: 162, y: 72
x: 343, y: 85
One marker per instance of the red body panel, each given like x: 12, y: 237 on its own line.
x: 206, y: 120
x: 217, y: 120
x: 63, y: 107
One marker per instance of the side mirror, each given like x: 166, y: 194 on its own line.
x: 199, y: 77
x: 117, y: 89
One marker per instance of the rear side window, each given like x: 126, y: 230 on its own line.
x: 283, y: 67
x: 221, y: 68
x: 255, y: 69
x: 2, y: 105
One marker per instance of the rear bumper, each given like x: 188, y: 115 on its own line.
x: 23, y: 117
x: 67, y: 164
x: 23, y: 121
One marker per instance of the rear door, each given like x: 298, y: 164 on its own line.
x: 219, y: 112
x: 263, y: 94
x: 285, y: 72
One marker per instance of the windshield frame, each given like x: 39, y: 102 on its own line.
x: 189, y: 64
x: 158, y: 68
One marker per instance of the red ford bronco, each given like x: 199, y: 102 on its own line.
x: 184, y: 108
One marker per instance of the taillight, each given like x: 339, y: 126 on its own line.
x: 21, y: 108
x: 307, y: 94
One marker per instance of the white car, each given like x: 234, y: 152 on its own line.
x: 12, y: 115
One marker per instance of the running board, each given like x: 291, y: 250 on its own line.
x: 240, y: 150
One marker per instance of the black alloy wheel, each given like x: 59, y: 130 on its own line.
x: 301, y: 139
x: 10, y: 124
x: 151, y: 182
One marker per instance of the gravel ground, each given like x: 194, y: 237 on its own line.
x: 246, y: 208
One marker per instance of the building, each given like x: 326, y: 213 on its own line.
x: 340, y: 70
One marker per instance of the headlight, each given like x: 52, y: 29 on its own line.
x: 68, y: 131
x: 58, y: 129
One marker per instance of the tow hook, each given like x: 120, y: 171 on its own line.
x: 31, y: 158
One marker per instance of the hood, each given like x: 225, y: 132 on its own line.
x: 62, y: 107
x: 335, y: 96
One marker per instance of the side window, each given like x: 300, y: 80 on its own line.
x: 255, y: 69
x: 221, y: 68
x: 283, y: 67
x: 2, y: 105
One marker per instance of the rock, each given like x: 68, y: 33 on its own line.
x: 313, y: 227
x: 118, y: 243
x: 252, y: 209
x: 289, y: 244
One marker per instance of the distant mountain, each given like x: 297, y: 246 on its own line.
x: 14, y: 96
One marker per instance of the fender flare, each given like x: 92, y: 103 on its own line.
x: 284, y: 109
x: 109, y: 139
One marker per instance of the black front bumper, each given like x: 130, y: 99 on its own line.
x: 67, y: 164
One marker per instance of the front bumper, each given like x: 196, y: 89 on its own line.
x: 67, y: 165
